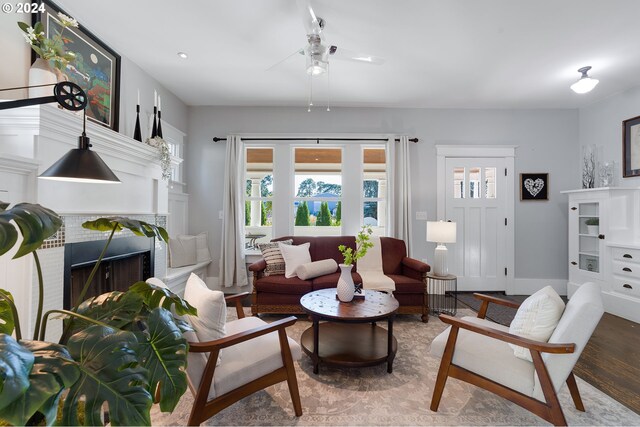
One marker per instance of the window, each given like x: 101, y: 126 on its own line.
x: 317, y: 201
x: 258, y: 205
x: 475, y: 178
x: 374, y: 189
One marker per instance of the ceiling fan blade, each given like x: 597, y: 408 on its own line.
x: 309, y: 18
x: 350, y: 55
x: 298, y: 52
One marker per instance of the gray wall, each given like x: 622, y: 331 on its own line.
x: 601, y: 125
x: 547, y: 141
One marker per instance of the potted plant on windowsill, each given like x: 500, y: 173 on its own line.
x: 124, y: 349
x: 592, y: 225
x: 346, y: 288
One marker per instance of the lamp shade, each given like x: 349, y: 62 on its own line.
x: 81, y: 165
x: 441, y: 232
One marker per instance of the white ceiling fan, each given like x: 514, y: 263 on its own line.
x: 318, y: 51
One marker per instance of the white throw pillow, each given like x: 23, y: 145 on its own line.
x: 317, y: 268
x: 294, y: 257
x: 182, y: 251
x: 536, y: 319
x: 209, y: 324
x: 202, y: 247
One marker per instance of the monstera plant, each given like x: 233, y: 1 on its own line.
x: 124, y: 349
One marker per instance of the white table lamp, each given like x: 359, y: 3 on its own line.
x: 441, y: 232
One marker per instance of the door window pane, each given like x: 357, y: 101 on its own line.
x: 458, y: 183
x: 474, y: 183
x: 490, y: 182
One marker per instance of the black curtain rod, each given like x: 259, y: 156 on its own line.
x: 217, y: 139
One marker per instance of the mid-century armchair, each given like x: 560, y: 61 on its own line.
x: 476, y: 350
x: 254, y: 355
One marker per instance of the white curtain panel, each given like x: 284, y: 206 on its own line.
x: 232, y: 263
x: 401, y: 204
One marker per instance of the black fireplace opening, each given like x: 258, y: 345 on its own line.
x: 127, y: 260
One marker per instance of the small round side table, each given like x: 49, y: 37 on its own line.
x: 442, y: 292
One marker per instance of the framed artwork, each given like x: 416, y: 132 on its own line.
x: 96, y: 68
x: 631, y: 147
x: 534, y: 186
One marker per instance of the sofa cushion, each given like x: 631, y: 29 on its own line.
x: 489, y: 357
x: 407, y: 285
x: 315, y: 269
x: 282, y: 285
x: 294, y: 256
x: 393, y: 250
x: 273, y: 257
x: 331, y: 281
x: 323, y: 247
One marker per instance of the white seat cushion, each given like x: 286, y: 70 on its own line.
x: 244, y: 362
x: 488, y: 357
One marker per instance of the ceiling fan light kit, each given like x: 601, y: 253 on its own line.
x: 585, y: 83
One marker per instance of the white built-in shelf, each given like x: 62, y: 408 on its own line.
x: 588, y: 253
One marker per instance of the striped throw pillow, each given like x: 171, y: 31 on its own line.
x: 273, y: 257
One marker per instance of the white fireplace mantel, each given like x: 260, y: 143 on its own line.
x: 45, y: 133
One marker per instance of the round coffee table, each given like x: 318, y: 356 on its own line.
x: 350, y: 336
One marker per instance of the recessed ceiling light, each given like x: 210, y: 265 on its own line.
x: 183, y: 55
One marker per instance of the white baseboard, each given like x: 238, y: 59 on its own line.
x: 530, y: 286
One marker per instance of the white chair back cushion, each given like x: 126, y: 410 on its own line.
x: 536, y: 319
x: 208, y: 325
x: 579, y: 320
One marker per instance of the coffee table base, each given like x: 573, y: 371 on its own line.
x: 350, y: 345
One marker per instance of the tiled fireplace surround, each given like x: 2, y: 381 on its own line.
x: 31, y: 139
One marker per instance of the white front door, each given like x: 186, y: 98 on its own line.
x: 475, y: 198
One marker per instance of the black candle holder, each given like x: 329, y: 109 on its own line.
x: 137, y: 134
x: 154, y: 129
x: 159, y: 124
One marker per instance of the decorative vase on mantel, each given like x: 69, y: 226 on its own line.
x: 345, y: 288
x: 41, y: 73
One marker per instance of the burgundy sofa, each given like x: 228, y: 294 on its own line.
x: 277, y: 294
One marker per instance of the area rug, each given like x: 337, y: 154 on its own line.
x: 371, y: 396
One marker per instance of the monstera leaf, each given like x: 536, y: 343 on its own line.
x: 109, y: 373
x: 53, y: 370
x: 157, y: 296
x: 164, y: 354
x: 139, y: 228
x: 7, y: 323
x: 15, y: 365
x: 36, y: 223
x: 114, y: 308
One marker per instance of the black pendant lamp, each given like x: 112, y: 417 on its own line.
x: 79, y: 164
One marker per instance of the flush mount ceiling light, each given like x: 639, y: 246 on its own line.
x: 182, y: 55
x: 585, y: 83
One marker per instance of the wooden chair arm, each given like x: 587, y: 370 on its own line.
x: 486, y: 299
x: 237, y: 299
x: 216, y: 345
x: 542, y: 347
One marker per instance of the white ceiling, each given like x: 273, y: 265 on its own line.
x: 439, y: 53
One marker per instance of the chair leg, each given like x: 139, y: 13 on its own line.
x: 555, y: 414
x: 575, y: 394
x: 443, y: 372
x: 292, y: 380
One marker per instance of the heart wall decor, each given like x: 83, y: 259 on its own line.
x: 534, y: 186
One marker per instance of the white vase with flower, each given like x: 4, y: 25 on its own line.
x: 345, y: 288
